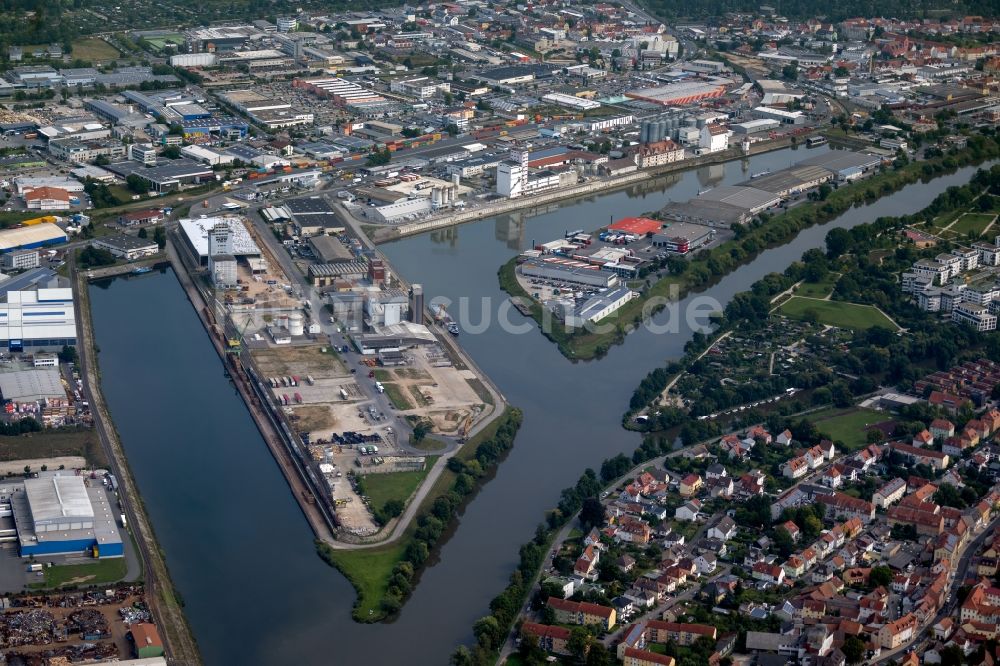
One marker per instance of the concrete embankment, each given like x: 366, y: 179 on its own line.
x: 583, y: 189
x: 282, y: 449
x: 178, y: 640
x: 124, y: 269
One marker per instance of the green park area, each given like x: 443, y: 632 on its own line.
x: 94, y: 49
x: 835, y: 313
x: 820, y: 289
x: 849, y: 426
x: 975, y: 223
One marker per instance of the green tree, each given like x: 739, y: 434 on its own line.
x: 68, y: 354
x: 853, y: 649
x: 136, y: 184
x: 160, y: 236
x: 579, y: 642
x: 880, y: 576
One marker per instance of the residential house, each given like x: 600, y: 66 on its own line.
x: 795, y: 468
x: 792, y: 529
x: 688, y: 511
x: 770, y: 573
x: 550, y: 639
x: 690, y: 485
x: 586, y: 564
x: 838, y: 504
x: 706, y: 563
x: 724, y: 530
x: 582, y: 613
x: 784, y: 438
x: 942, y: 428
x: 923, y: 438
x: 889, y: 494
x: 892, y: 635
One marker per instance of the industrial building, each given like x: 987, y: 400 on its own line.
x: 639, y: 226
x: 683, y: 237
x: 26, y: 238
x: 167, y: 177
x: 60, y: 513
x: 793, y: 180
x: 39, y: 319
x: 600, y: 306
x: 402, y: 210
x: 196, y: 233
x: 330, y: 250
x: 20, y: 260
x: 32, y: 386
x: 782, y: 116
x: 568, y: 271
x: 127, y: 247
x: 681, y: 93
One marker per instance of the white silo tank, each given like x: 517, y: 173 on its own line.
x: 296, y: 324
x: 455, y: 179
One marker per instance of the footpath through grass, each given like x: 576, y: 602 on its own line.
x: 370, y: 569
x: 836, y: 313
x: 382, y: 488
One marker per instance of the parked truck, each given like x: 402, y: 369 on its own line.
x: 124, y: 521
x: 343, y: 393
x: 298, y: 399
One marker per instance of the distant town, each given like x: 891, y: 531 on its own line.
x: 817, y: 480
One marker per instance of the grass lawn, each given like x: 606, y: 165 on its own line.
x: 835, y: 313
x: 369, y: 569
x: 428, y: 444
x: 9, y: 219
x: 818, y: 289
x: 849, y: 426
x: 93, y: 49
x: 975, y: 222
x: 396, y: 397
x: 98, y: 572
x: 395, y: 485
x: 943, y: 221
x: 52, y: 443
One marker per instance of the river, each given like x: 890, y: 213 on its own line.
x: 238, y: 548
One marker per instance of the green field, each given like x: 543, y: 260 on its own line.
x: 397, y: 397
x: 820, y: 289
x: 849, y: 426
x: 974, y: 222
x: 396, y: 485
x: 835, y: 313
x: 51, y: 443
x: 94, y: 49
x: 98, y: 572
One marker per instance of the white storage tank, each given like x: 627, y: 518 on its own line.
x: 296, y: 324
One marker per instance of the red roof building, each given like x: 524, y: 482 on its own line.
x: 637, y: 225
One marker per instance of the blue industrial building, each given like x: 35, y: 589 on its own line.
x: 61, y: 513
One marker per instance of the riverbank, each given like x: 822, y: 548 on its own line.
x: 384, y: 577
x: 600, y: 186
x: 322, y: 523
x: 178, y: 640
x: 709, y: 266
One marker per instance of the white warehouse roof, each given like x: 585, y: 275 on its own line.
x: 31, y: 385
x: 196, y: 231
x: 58, y: 499
x: 36, y: 234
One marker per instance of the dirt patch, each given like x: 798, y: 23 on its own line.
x: 299, y: 361
x: 308, y: 418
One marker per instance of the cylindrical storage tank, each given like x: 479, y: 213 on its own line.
x: 455, y: 179
x: 436, y: 197
x: 644, y: 132
x: 664, y: 130
x: 417, y: 304
x: 296, y: 324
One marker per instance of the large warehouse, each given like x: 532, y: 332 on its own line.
x: 60, y: 513
x: 37, y: 320
x: 239, y: 243
x: 35, y: 385
x: 568, y: 271
x: 36, y: 235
